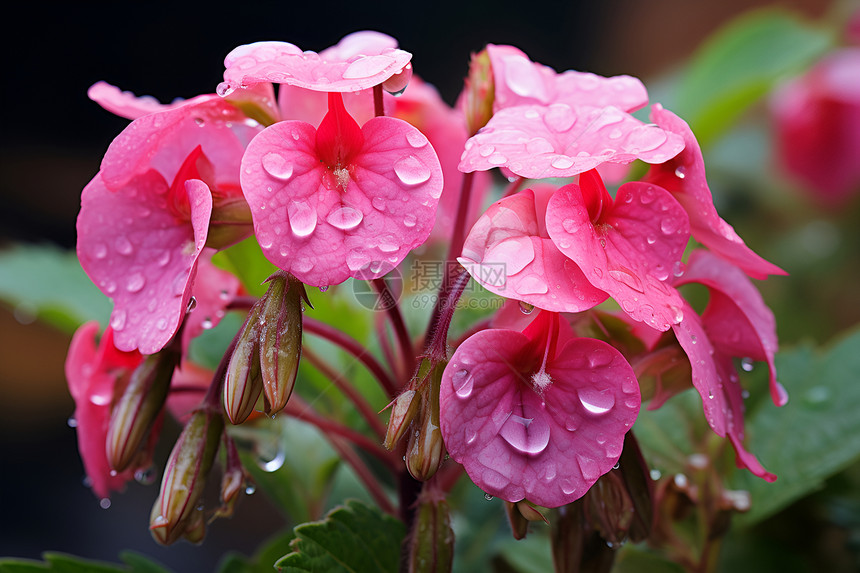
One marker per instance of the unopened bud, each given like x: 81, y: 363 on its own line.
x: 431, y: 539
x: 243, y: 382
x: 230, y: 223
x: 425, y: 449
x: 232, y: 480
x: 609, y: 508
x: 196, y: 529
x: 519, y: 524
x: 479, y: 93
x: 403, y: 411
x: 281, y: 339
x: 138, y: 407
x: 188, y: 466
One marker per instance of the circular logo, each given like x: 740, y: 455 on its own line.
x: 369, y: 297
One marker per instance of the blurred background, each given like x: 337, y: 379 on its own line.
x: 53, y: 137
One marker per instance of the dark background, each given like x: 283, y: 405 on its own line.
x: 52, y: 138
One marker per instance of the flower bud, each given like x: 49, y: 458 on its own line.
x: 138, y: 407
x: 232, y: 480
x: 281, y: 339
x: 519, y: 524
x: 479, y: 93
x: 425, y: 449
x: 174, y: 513
x: 196, y: 530
x: 243, y: 382
x: 403, y: 411
x: 431, y: 539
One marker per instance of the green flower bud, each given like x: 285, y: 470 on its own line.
x: 479, y: 93
x: 281, y: 339
x: 425, y: 450
x: 243, y: 382
x: 403, y: 411
x: 432, y: 539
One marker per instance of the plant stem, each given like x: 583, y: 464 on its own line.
x: 378, y: 103
x: 392, y: 309
x: 364, y: 474
x: 437, y: 331
x: 459, y: 232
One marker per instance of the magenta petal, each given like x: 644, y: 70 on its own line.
x: 631, y: 251
x: 358, y: 62
x: 561, y: 141
x: 518, y: 444
x: 509, y: 252
x: 324, y: 226
x: 684, y: 177
x: 140, y: 255
x: 738, y: 321
x: 519, y: 81
x: 125, y: 104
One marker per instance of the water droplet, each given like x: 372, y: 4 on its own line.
x: 655, y: 474
x: 72, y: 422
x: 224, y: 89
x: 135, y: 282
x: 344, y: 218
x: 303, y: 219
x: 250, y: 489
x: 411, y: 170
x: 681, y: 172
x: 199, y: 121
x: 207, y: 323
x: 570, y: 225
x: 463, y: 382
x: 488, y: 497
x: 161, y: 324
x: 670, y: 225
x: 104, y: 503
x: 526, y: 308
x: 365, y: 67
x: 527, y: 433
x: 559, y: 117
x: 271, y: 462
x: 117, y: 319
x: 538, y: 145
x: 159, y: 521
x: 145, y: 476
x: 562, y: 162
x: 782, y: 395
x: 497, y: 159
x: 123, y: 246
x: 323, y: 288
x: 486, y: 150
x: 589, y: 468
x: 626, y: 277
x: 747, y: 364
x: 277, y: 166
x: 410, y: 220
x: 596, y: 401
x: 532, y: 284
x: 100, y: 251
x: 416, y: 139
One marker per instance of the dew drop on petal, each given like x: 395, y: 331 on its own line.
x: 277, y: 166
x: 596, y: 402
x: 562, y: 162
x: 123, y: 246
x: 303, y: 219
x: 344, y: 218
x: 135, y: 282
x: 680, y: 172
x: 528, y: 432
x: 588, y: 467
x: 163, y: 258
x: 627, y: 278
x: 559, y: 117
x: 416, y: 139
x: 365, y: 67
x: 410, y: 220
x: 99, y: 251
x: 486, y: 150
x: 538, y: 145
x: 526, y: 308
x: 463, y: 382
x: 411, y: 170
x: 117, y: 319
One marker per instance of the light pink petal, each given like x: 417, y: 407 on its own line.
x: 139, y: 254
x: 509, y: 252
x: 125, y: 104
x: 519, y: 81
x: 213, y: 290
x: 631, y: 251
x: 738, y: 321
x: 311, y: 106
x: 323, y: 233
x: 356, y: 65
x: 516, y: 443
x: 561, y: 141
x: 92, y: 370
x: 684, y: 177
x: 187, y: 389
x: 163, y: 140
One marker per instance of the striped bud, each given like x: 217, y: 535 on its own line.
x: 425, y: 449
x: 432, y: 538
x: 243, y: 382
x: 137, y: 409
x: 175, y: 511
x: 281, y: 339
x: 479, y: 93
x: 403, y: 411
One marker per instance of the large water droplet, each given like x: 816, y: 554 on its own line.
x: 135, y: 282
x: 365, y: 67
x: 100, y: 251
x: 589, y: 468
x: 463, y: 382
x: 562, y: 162
x: 277, y: 166
x: 416, y: 139
x: 117, y: 319
x: 411, y: 170
x: 523, y: 78
x: 538, y: 145
x: 595, y: 401
x: 344, y: 218
x: 123, y: 246
x: 559, y: 117
x: 303, y: 219
x: 525, y: 430
x: 410, y: 220
x: 626, y: 277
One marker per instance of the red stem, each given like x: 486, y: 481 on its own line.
x: 459, y: 232
x: 388, y: 301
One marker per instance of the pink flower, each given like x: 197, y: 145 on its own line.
x: 359, y: 61
x: 509, y: 252
x: 145, y: 217
x: 125, y: 104
x: 92, y: 371
x: 341, y: 200
x: 817, y: 121
x: 628, y: 247
x: 684, y: 177
x: 561, y: 140
x: 538, y: 414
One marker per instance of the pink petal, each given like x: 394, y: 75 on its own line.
x: 737, y: 320
x: 311, y: 106
x: 139, y: 254
x: 519, y: 81
x: 548, y: 447
x: 509, y: 252
x: 631, y: 250
x: 561, y: 141
x: 125, y: 104
x: 684, y: 177
x: 163, y: 140
x: 356, y: 63
x: 188, y: 387
x: 91, y: 371
x: 324, y: 230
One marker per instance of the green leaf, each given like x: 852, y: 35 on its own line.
x: 634, y: 559
x: 141, y: 564
x: 48, y: 283
x: 62, y: 563
x: 352, y: 538
x: 741, y: 63
x: 815, y: 435
x: 247, y: 262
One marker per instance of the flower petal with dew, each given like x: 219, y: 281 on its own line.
x: 341, y: 201
x: 560, y: 140
x: 628, y: 247
x: 684, y: 177
x: 125, y: 104
x: 509, y: 252
x: 93, y: 369
x: 359, y: 61
x: 538, y: 414
x: 737, y: 320
x: 519, y: 81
